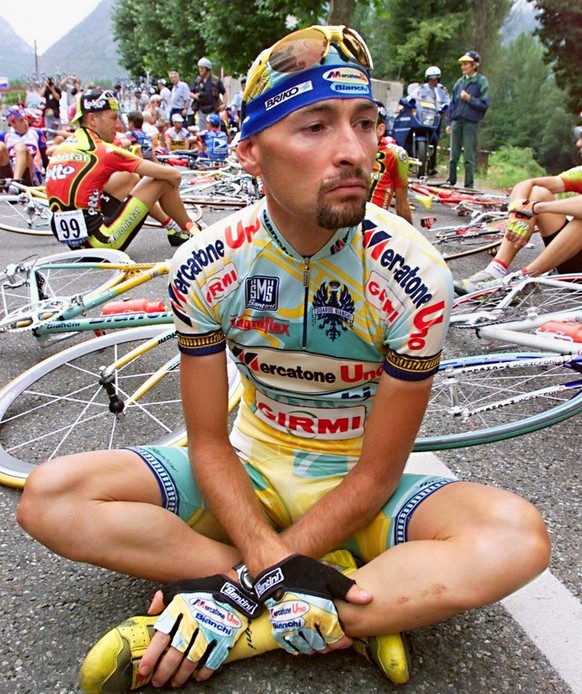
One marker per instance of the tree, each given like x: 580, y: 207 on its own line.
x: 174, y: 34
x: 561, y: 35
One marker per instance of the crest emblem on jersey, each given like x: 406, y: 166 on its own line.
x: 333, y: 309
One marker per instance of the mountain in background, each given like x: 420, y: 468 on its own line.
x: 16, y: 56
x: 87, y: 50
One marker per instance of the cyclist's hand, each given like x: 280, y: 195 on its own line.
x: 203, y: 620
x: 518, y: 231
x: 522, y: 209
x: 299, y: 593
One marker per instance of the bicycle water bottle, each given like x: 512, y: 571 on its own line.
x: 564, y: 330
x: 133, y: 306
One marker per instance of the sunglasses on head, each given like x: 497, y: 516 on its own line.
x: 304, y: 49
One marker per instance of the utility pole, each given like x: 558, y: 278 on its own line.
x: 35, y: 60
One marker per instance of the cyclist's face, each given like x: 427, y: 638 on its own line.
x: 20, y: 125
x: 106, y: 124
x: 316, y: 163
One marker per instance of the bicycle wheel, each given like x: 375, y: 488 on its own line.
x: 538, y: 295
x: 486, y: 398
x: 58, y: 282
x: 461, y: 241
x: 24, y: 215
x: 59, y: 406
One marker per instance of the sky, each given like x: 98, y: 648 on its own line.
x: 45, y: 21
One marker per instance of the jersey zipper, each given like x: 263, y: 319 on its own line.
x: 306, y: 261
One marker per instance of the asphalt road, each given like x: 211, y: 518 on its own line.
x: 54, y: 610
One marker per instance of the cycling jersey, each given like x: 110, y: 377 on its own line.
x: 216, y: 142
x: 389, y: 173
x: 573, y: 180
x: 312, y: 336
x: 78, y: 170
x: 34, y: 140
x: 141, y: 138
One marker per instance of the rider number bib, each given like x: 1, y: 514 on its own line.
x: 70, y: 226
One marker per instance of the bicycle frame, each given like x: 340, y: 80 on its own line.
x: 73, y: 319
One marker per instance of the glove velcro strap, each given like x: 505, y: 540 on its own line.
x: 302, y: 574
x: 221, y: 588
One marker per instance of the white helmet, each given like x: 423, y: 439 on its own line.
x: 204, y: 62
x: 433, y: 72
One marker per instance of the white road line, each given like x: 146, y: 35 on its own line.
x: 545, y: 609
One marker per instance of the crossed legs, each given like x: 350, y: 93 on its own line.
x: 469, y: 545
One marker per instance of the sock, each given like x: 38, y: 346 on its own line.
x: 170, y: 226
x: 497, y: 269
x: 188, y: 226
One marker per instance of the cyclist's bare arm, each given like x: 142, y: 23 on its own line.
x: 159, y: 172
x: 522, y: 190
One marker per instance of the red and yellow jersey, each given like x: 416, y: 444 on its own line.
x: 389, y: 173
x: 79, y: 169
x: 573, y: 180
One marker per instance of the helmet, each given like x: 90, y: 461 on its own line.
x: 14, y: 113
x: 578, y: 132
x: 213, y: 119
x: 204, y: 62
x: 432, y: 72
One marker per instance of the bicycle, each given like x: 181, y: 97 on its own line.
x: 119, y: 389
x: 52, y: 296
x: 463, y: 202
x: 24, y: 212
x: 485, y: 398
x: 484, y: 232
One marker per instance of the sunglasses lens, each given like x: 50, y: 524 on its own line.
x: 356, y: 46
x: 298, y: 51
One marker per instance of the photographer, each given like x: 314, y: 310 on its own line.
x: 51, y: 94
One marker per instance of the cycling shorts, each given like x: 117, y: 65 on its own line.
x: 116, y: 226
x: 286, y: 486
x: 573, y: 264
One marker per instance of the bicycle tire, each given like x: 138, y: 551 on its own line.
x: 534, y: 296
x: 63, y: 282
x: 467, y: 382
x: 30, y: 217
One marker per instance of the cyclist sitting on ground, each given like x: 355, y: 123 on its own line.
x: 335, y: 312
x: 390, y: 174
x: 136, y: 136
x: 177, y: 136
x: 559, y: 221
x: 214, y: 141
x: 23, y: 150
x: 86, y: 165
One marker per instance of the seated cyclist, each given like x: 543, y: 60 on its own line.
x: 559, y: 220
x: 390, y: 174
x: 177, y: 136
x: 335, y: 312
x: 86, y: 165
x: 23, y: 149
x: 214, y: 140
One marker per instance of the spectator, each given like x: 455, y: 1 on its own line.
x: 71, y: 85
x: 236, y: 104
x: 51, y: 93
x: 137, y: 136
x: 179, y: 96
x: 469, y: 103
x: 207, y: 92
x: 165, y: 95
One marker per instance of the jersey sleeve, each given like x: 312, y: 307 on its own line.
x: 572, y: 180
x: 119, y: 159
x: 198, y: 328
